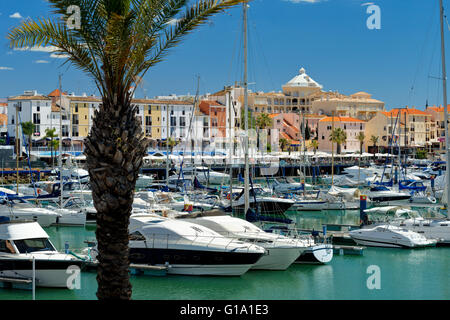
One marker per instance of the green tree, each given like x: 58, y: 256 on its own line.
x: 314, y: 144
x: 28, y: 130
x: 421, y: 154
x: 283, y: 144
x: 263, y: 121
x: 251, y: 119
x: 115, y: 43
x: 51, y: 134
x: 338, y: 136
x: 361, y: 137
x: 374, y: 140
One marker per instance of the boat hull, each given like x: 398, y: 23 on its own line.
x: 196, y: 262
x: 48, y: 273
x: 317, y: 254
x: 277, y: 259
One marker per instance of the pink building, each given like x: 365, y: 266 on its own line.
x: 353, y: 127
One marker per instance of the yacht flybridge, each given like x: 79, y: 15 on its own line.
x: 281, y: 251
x: 20, y: 242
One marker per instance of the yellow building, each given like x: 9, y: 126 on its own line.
x: 410, y: 127
x: 151, y: 117
x: 81, y: 113
x: 359, y: 105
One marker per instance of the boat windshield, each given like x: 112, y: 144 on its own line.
x: 33, y: 245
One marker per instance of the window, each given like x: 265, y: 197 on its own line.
x: 173, y: 121
x: 149, y: 109
x: 136, y: 236
x: 182, y: 121
x: 6, y: 246
x: 65, y: 130
x: 33, y: 245
x: 148, y: 120
x: 75, y: 119
x: 36, y: 118
x: 75, y: 132
x: 76, y: 107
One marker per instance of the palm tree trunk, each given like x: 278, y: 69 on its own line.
x: 29, y: 148
x: 114, y: 151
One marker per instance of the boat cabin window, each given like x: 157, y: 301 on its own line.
x: 6, y: 247
x: 136, y: 236
x: 33, y: 245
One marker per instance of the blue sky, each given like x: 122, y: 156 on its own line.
x: 398, y: 64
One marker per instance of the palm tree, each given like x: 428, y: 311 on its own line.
x: 374, y: 140
x: 361, y: 137
x: 338, y: 136
x: 314, y: 144
x: 263, y: 121
x: 251, y: 119
x: 115, y: 43
x: 171, y: 144
x: 28, y: 130
x: 283, y: 144
x: 51, y: 134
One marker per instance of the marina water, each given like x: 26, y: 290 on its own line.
x: 404, y: 274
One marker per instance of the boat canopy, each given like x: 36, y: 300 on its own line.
x: 21, y: 231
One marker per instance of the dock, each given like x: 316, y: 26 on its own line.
x: 348, y: 250
x: 338, y: 236
x: 135, y: 269
x: 16, y: 283
x: 149, y: 270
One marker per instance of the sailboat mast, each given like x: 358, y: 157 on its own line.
x: 167, y: 146
x: 60, y: 147
x: 17, y: 146
x: 231, y: 145
x: 444, y: 90
x: 246, y: 171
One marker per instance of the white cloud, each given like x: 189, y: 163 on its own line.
x: 41, y: 61
x: 38, y: 49
x: 172, y: 22
x: 59, y: 56
x: 301, y: 1
x: 6, y: 68
x: 16, y: 15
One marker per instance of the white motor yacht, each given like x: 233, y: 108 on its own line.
x: 262, y: 202
x: 20, y: 209
x: 206, y: 175
x: 405, y: 218
x: 384, y: 195
x: 281, y: 251
x: 390, y: 236
x: 24, y: 241
x: 187, y: 248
